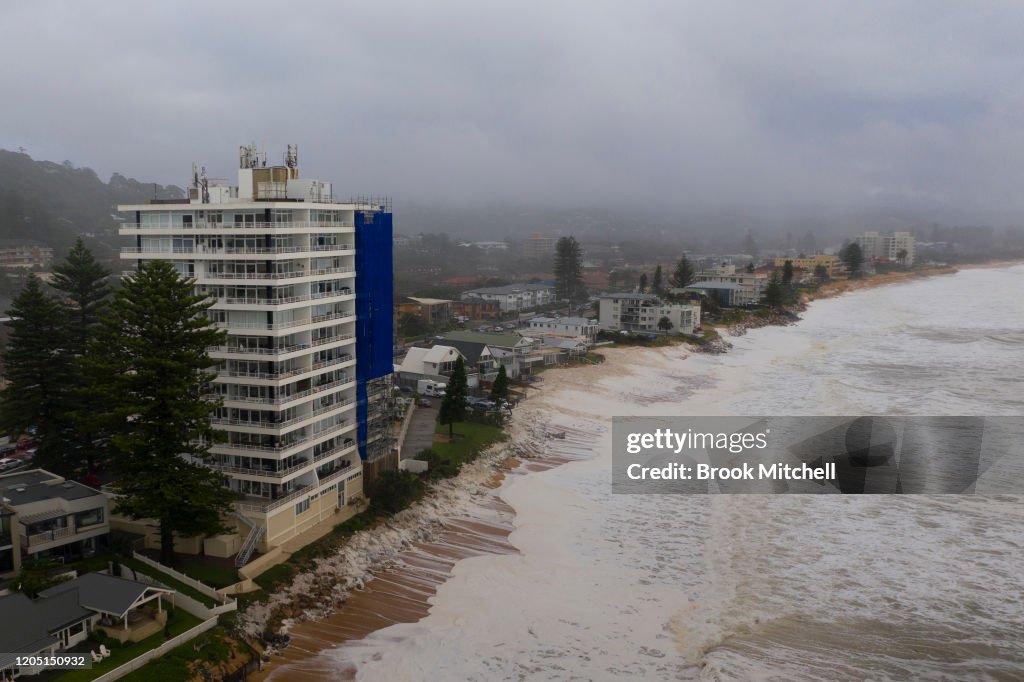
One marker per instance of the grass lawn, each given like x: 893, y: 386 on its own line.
x: 172, y: 583
x: 474, y: 439
x: 119, y: 655
x: 211, y: 571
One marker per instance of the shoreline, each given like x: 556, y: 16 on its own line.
x: 316, y: 632
x: 398, y: 589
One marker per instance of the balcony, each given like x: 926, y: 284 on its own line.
x: 337, y: 473
x: 236, y: 226
x: 45, y: 537
x: 278, y: 449
x: 279, y: 350
x: 256, y: 504
x: 273, y: 275
x: 277, y: 326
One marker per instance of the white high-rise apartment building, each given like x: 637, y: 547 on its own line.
x: 876, y: 246
x: 277, y: 254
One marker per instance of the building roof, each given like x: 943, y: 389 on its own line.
x: 429, y: 301
x: 736, y: 286
x: 500, y: 340
x: 511, y: 288
x: 564, y: 320
x: 36, y: 485
x: 28, y: 626
x: 416, y: 357
x: 104, y: 593
x: 471, y: 350
x: 632, y: 296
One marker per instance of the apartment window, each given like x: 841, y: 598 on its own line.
x: 89, y: 518
x: 302, y: 507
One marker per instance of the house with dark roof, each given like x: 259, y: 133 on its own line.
x: 517, y: 353
x: 64, y: 615
x: 39, y: 627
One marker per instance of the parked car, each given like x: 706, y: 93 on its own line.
x: 7, y: 463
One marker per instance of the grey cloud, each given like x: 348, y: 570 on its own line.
x: 679, y: 103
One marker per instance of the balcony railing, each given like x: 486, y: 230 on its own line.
x: 280, y: 350
x: 235, y: 226
x: 272, y: 504
x: 294, y: 274
x: 337, y: 473
x: 246, y: 447
x: 276, y: 326
x: 284, y: 300
x: 46, y: 536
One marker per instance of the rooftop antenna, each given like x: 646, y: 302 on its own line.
x: 204, y: 183
x: 195, y: 175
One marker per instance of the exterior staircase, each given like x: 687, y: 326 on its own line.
x: 251, y: 540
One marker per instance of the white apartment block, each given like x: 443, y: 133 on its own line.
x: 643, y: 312
x: 514, y: 297
x: 877, y: 246
x: 566, y: 326
x: 277, y: 255
x: 747, y: 287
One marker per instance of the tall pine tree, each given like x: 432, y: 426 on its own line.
x: 569, y: 271
x: 684, y: 274
x: 82, y: 282
x: 453, y: 406
x: 152, y: 349
x: 82, y: 285
x: 36, y: 368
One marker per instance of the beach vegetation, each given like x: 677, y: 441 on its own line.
x: 393, y: 491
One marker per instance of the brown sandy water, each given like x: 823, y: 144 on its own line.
x: 401, y: 593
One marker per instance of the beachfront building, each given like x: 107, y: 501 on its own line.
x: 64, y: 615
x: 635, y: 312
x: 730, y: 286
x: 470, y: 308
x: 833, y: 266
x: 433, y: 311
x: 44, y: 516
x: 898, y: 247
x: 302, y: 283
x: 565, y: 326
x: 435, y: 363
x: 514, y: 297
x: 517, y: 353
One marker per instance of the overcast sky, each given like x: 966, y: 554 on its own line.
x: 677, y: 103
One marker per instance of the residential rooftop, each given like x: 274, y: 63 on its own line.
x: 36, y: 485
x: 511, y: 288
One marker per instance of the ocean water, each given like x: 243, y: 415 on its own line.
x: 610, y: 587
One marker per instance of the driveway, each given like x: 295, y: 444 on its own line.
x: 421, y: 429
